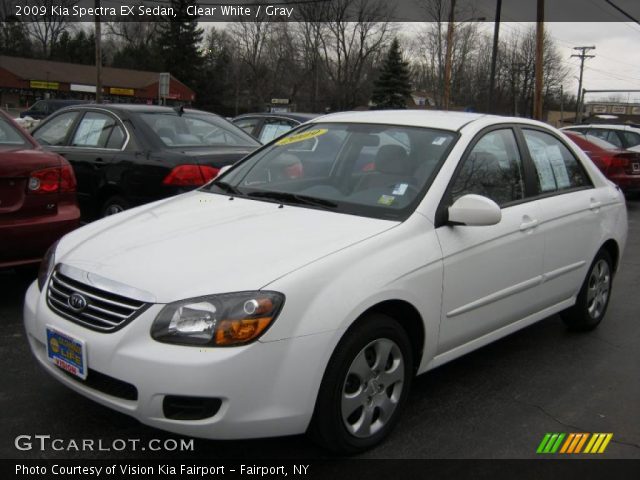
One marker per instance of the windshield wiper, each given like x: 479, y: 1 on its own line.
x: 226, y: 187
x: 295, y: 199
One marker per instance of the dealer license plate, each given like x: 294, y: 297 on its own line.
x: 67, y: 352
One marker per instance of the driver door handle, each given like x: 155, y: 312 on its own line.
x: 528, y: 223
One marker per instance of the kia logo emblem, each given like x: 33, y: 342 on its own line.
x: 77, y: 302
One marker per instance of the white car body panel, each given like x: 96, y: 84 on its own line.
x: 219, y: 232
x: 469, y: 285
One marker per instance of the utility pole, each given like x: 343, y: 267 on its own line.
x: 98, y: 35
x: 494, y: 57
x: 537, y: 93
x: 582, y: 56
x: 561, y: 105
x: 448, y: 55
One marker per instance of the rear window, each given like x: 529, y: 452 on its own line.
x: 9, y: 135
x: 196, y: 130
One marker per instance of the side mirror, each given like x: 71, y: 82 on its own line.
x: 474, y: 210
x: 223, y: 170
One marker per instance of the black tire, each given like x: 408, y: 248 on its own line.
x: 593, y: 298
x: 113, y: 205
x: 383, y: 404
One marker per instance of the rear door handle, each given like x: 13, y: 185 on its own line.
x: 100, y: 161
x: 528, y: 224
x: 594, y: 204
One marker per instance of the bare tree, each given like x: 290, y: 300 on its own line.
x: 46, y: 29
x: 353, y: 38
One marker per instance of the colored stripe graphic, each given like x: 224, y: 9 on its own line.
x: 573, y: 443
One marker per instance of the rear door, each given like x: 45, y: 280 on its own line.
x: 491, y: 273
x: 569, y: 214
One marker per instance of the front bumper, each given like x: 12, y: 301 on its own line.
x: 267, y: 389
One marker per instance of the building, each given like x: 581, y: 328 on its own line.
x: 25, y: 80
x: 617, y: 112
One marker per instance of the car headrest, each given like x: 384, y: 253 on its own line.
x: 393, y: 159
x: 166, y: 133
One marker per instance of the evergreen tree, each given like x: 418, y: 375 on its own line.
x: 393, y: 87
x: 14, y: 38
x: 179, y: 44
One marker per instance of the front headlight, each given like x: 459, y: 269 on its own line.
x: 217, y: 320
x: 46, y: 266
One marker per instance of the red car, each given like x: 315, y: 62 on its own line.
x: 37, y: 197
x: 622, y: 167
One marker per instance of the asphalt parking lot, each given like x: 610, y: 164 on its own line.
x: 497, y: 402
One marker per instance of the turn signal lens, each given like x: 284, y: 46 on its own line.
x: 232, y: 332
x: 217, y: 320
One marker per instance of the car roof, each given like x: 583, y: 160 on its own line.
x: 136, y: 108
x: 299, y: 116
x: 610, y: 126
x: 444, y: 120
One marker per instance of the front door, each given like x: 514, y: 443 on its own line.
x: 491, y: 273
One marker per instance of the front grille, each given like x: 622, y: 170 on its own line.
x: 100, y: 310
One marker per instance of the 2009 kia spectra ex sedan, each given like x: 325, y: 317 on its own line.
x: 305, y: 287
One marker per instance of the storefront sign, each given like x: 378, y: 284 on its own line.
x: 44, y: 85
x: 121, y: 91
x: 82, y: 88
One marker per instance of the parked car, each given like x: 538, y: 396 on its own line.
x: 43, y: 108
x: 274, y: 302
x: 127, y: 155
x: 267, y: 126
x: 620, y: 166
x: 37, y: 197
x: 622, y: 136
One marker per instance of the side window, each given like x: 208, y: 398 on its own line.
x: 607, y: 135
x: 492, y: 169
x: 273, y: 129
x: 94, y: 130
x: 632, y: 138
x: 116, y: 139
x: 55, y: 131
x: 247, y: 124
x: 557, y: 168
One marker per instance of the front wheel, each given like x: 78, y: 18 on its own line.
x: 593, y: 298
x: 365, y: 386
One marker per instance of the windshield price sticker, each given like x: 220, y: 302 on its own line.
x: 386, y: 200
x: 301, y: 137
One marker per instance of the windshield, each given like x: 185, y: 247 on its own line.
x: 196, y: 130
x: 372, y: 170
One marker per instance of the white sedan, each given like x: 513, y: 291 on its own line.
x: 304, y: 288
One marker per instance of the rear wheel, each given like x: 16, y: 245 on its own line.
x: 365, y: 386
x: 113, y: 205
x: 593, y: 299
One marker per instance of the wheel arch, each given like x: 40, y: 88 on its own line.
x: 612, y: 248
x: 407, y: 316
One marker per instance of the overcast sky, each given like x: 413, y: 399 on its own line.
x: 616, y: 65
x: 617, y: 61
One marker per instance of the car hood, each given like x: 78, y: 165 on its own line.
x: 202, y: 243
